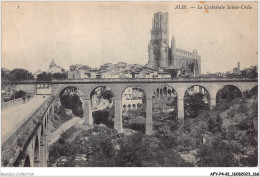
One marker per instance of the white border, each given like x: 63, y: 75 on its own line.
x: 131, y: 171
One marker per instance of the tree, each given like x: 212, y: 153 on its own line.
x: 214, y: 124
x: 229, y: 93
x: 107, y: 94
x: 102, y: 117
x: 59, y: 76
x: 217, y: 154
x: 70, y: 100
x: 21, y: 74
x: 194, y: 103
x: 7, y: 81
x: 44, y: 76
x: 250, y: 72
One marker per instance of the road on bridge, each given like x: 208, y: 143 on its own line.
x: 14, y: 117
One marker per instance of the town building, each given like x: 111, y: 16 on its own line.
x: 131, y: 97
x: 161, y: 54
x: 79, y: 71
x: 53, y: 68
x: 149, y: 72
x: 105, y: 66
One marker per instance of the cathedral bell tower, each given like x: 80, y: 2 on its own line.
x: 158, y: 46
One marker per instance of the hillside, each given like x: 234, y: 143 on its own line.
x: 224, y: 136
x: 229, y: 128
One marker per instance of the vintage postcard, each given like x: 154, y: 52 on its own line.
x: 129, y: 84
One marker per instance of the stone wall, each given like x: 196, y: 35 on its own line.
x: 14, y: 147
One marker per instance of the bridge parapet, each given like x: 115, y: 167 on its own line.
x: 15, y: 102
x: 141, y: 80
x: 14, y: 147
x: 111, y: 80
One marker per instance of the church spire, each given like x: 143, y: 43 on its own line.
x: 52, y: 63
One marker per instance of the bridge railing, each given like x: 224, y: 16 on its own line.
x: 151, y: 79
x: 15, y: 102
x: 15, y: 145
x: 180, y: 79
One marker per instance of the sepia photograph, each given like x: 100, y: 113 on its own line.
x: 129, y: 84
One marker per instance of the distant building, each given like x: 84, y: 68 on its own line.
x: 81, y: 72
x: 236, y: 70
x: 131, y: 97
x: 124, y: 70
x: 109, y: 74
x: 122, y: 64
x: 162, y: 55
x: 53, y: 68
x: 148, y: 72
x: 105, y: 66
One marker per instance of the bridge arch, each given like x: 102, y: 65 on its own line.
x: 45, y: 121
x: 196, y: 92
x: 228, y: 92
x: 234, y: 85
x: 57, y: 88
x: 164, y: 104
x: 163, y: 89
x: 70, y: 97
x: 254, y: 88
x: 102, y: 102
x: 36, y: 151
x: 134, y: 116
x: 93, y: 89
x: 203, y: 85
x: 42, y: 134
x: 27, y: 162
x: 117, y: 86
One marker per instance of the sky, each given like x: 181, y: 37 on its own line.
x: 93, y: 33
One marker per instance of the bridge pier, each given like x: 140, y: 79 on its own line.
x: 87, y: 111
x: 57, y: 101
x: 212, y: 103
x: 52, y: 110
x: 213, y: 97
x: 149, y: 119
x: 45, y: 151
x: 47, y: 131
x: 180, y: 106
x: 118, y: 115
x: 42, y: 164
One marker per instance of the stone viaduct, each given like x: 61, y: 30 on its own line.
x: 149, y: 86
x: 28, y: 146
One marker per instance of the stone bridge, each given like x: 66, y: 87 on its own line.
x: 28, y: 145
x: 149, y: 86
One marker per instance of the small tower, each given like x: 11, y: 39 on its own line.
x: 52, y: 63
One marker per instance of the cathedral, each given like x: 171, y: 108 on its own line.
x: 163, y: 55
